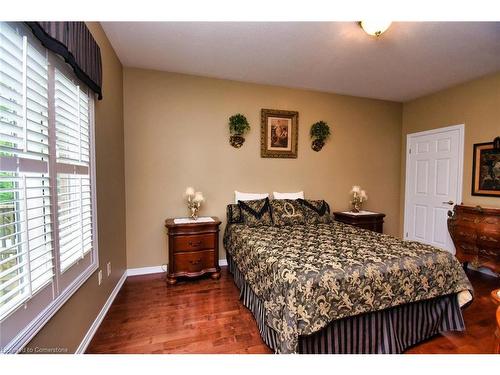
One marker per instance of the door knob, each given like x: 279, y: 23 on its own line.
x: 450, y: 202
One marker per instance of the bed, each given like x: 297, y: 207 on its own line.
x: 322, y: 286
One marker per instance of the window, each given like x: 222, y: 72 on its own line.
x: 48, y: 237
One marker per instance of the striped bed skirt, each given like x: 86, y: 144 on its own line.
x: 388, y: 331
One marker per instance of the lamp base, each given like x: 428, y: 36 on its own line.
x: 194, y: 212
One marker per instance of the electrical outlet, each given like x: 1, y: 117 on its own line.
x: 108, y: 268
x: 99, y: 277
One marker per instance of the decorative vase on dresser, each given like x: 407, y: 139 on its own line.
x: 475, y: 231
x: 193, y: 248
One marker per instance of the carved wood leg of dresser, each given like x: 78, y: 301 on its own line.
x: 215, y: 275
x: 171, y: 280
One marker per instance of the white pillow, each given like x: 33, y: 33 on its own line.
x: 298, y: 195
x: 239, y: 196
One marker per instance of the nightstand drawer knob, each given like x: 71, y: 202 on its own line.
x: 194, y: 262
x: 194, y: 244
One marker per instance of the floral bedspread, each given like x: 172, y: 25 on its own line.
x: 309, y: 275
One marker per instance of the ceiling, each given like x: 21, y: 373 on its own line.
x: 410, y: 60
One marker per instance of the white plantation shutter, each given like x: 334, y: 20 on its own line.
x: 26, y: 242
x: 73, y: 189
x: 25, y: 206
x: 47, y: 204
x: 72, y: 121
x: 75, y: 218
x: 26, y: 229
x: 24, y: 97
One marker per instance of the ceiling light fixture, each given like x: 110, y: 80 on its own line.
x: 375, y: 28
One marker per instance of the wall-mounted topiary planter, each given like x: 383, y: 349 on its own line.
x: 236, y: 140
x: 320, y: 132
x: 317, y: 145
x: 238, y: 126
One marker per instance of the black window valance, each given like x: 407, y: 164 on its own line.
x: 74, y: 42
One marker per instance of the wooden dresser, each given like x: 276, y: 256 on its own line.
x: 193, y: 249
x: 475, y: 231
x: 495, y: 295
x: 370, y: 220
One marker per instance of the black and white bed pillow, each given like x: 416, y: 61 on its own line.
x: 315, y: 211
x: 256, y: 212
x: 287, y: 212
x: 233, y: 214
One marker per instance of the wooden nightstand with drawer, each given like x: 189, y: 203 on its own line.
x: 193, y: 249
x: 365, y: 219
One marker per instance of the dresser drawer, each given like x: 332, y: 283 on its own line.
x: 467, y: 238
x: 194, y: 242
x: 194, y: 261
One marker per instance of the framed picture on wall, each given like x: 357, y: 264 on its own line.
x: 279, y: 133
x: 486, y: 169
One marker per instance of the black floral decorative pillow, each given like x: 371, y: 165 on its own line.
x: 233, y: 214
x: 287, y: 212
x: 256, y: 212
x: 315, y: 211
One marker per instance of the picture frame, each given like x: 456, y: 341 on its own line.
x: 486, y: 169
x: 279, y: 133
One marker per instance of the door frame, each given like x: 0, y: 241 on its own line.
x: 460, y: 174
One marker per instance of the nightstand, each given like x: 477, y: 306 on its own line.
x: 193, y: 249
x: 364, y: 219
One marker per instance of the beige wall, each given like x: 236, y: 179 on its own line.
x: 176, y: 135
x: 69, y: 325
x: 475, y: 104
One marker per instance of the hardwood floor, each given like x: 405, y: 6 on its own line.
x: 206, y: 316
x: 479, y: 323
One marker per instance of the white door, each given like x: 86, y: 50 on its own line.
x: 434, y: 166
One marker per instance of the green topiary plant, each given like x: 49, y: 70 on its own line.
x: 238, y: 126
x: 320, y: 132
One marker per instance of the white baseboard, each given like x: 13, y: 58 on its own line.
x: 97, y: 322
x: 145, y: 270
x: 158, y: 269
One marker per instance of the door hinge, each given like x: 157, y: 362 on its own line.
x: 406, y: 234
x: 409, y: 151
